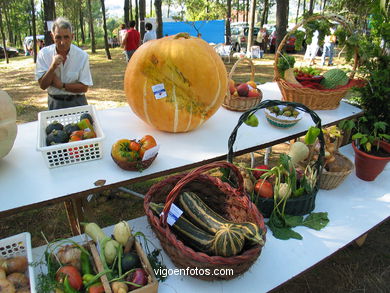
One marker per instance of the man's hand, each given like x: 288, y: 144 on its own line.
x: 57, y: 82
x: 57, y: 60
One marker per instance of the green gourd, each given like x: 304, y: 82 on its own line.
x: 210, y: 221
x: 228, y: 241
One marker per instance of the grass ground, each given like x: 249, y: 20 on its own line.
x: 352, y: 269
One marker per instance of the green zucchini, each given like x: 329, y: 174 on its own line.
x: 212, y: 222
x: 196, y: 238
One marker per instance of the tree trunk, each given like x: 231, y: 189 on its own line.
x: 323, y: 7
x: 34, y: 30
x: 296, y: 19
x: 131, y: 9
x: 281, y: 21
x: 136, y: 15
x: 91, y: 30
x: 237, y: 9
x: 247, y: 11
x: 158, y: 9
x: 126, y: 19
x: 81, y: 21
x: 151, y: 8
x: 3, y: 35
x: 9, y: 27
x: 311, y: 7
x: 48, y: 15
x: 142, y: 10
x: 169, y: 7
x: 264, y: 13
x: 304, y: 6
x: 105, y: 30
x: 251, y: 25
x: 228, y: 21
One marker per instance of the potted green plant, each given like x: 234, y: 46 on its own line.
x: 372, y: 149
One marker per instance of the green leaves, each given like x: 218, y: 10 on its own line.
x: 281, y: 225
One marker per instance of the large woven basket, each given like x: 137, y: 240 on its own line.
x: 232, y: 203
x: 331, y: 180
x: 294, y: 206
x: 313, y: 98
x: 237, y: 103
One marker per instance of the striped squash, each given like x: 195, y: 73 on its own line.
x: 192, y: 74
x: 210, y: 221
x: 228, y: 240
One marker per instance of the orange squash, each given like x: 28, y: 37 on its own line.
x: 192, y: 74
x: 8, y: 128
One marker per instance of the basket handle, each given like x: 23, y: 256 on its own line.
x: 243, y: 60
x: 314, y: 17
x: 270, y: 103
x: 195, y: 174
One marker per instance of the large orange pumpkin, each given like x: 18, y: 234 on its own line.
x: 8, y: 128
x: 192, y: 74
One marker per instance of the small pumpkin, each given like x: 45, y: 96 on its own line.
x: 228, y: 240
x: 188, y: 71
x: 8, y: 128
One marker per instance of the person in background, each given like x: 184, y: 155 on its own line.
x: 150, y: 34
x: 122, y: 32
x: 328, y: 49
x: 312, y: 49
x: 261, y: 38
x: 131, y: 41
x: 63, y: 69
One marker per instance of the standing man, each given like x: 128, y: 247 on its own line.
x: 131, y: 41
x: 149, y: 35
x: 328, y: 49
x: 63, y: 69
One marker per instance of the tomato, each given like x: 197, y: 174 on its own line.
x: 73, y: 274
x: 257, y: 174
x: 135, y: 146
x: 263, y: 188
x: 147, y: 142
x: 96, y: 288
x: 121, y: 151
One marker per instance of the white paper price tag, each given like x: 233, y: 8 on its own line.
x: 174, y: 213
x: 150, y: 153
x: 159, y: 91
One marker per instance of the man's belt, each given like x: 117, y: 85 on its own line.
x: 66, y: 97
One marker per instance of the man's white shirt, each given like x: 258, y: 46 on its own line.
x: 75, y: 69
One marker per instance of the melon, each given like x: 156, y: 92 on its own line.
x: 334, y: 78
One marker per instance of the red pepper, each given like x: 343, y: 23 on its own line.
x: 96, y: 288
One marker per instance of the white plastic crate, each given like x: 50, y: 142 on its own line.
x: 19, y: 245
x: 72, y: 152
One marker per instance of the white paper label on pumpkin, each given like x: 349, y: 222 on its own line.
x: 174, y: 213
x: 159, y: 91
x: 150, y: 153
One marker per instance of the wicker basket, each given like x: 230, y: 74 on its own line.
x: 294, y: 206
x: 237, y: 103
x: 313, y: 98
x: 331, y: 180
x: 231, y: 203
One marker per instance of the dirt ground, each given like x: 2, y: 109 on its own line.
x: 352, y: 269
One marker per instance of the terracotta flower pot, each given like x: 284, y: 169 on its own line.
x: 367, y: 166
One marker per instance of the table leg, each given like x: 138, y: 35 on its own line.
x: 75, y: 214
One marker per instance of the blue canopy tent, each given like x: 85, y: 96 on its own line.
x: 213, y: 31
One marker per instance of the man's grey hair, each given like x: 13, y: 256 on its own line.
x: 62, y: 23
